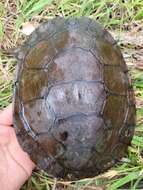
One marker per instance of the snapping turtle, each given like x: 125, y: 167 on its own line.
x: 74, y: 107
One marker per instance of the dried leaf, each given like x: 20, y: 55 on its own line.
x: 27, y: 28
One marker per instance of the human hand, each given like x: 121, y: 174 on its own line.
x: 15, y: 165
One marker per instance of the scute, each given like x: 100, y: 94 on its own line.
x: 76, y: 97
x: 116, y: 80
x: 74, y: 106
x: 40, y: 56
x: 32, y: 89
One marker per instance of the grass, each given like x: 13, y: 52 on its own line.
x: 122, y: 15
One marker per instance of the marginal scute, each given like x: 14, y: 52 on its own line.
x: 118, y: 151
x: 74, y: 106
x: 95, y: 30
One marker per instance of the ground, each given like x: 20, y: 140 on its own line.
x: 124, y: 19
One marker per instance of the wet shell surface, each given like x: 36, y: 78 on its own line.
x: 74, y: 107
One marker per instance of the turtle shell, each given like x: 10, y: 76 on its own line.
x: 74, y: 107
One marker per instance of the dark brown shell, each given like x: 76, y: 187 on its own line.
x: 74, y: 108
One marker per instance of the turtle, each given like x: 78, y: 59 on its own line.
x: 74, y: 104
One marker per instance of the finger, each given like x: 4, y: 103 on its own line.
x: 6, y: 116
x: 4, y: 135
x: 19, y: 155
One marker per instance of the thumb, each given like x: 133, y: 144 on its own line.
x: 6, y: 116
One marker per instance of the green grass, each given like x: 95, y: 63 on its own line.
x: 111, y: 13
x: 114, y: 15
